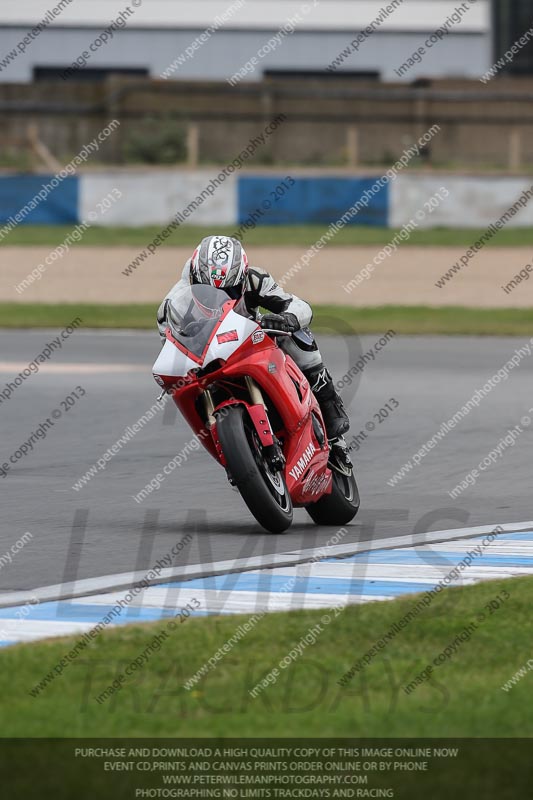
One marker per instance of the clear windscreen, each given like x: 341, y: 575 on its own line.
x: 194, y: 313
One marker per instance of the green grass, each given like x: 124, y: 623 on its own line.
x: 297, y: 235
x: 422, y: 320
x: 463, y: 697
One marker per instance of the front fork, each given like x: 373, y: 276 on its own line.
x: 271, y: 448
x: 258, y: 415
x: 209, y: 409
x: 256, y: 395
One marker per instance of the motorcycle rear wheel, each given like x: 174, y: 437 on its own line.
x: 339, y: 507
x: 264, y: 492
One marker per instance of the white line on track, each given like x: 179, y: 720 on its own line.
x: 109, y: 583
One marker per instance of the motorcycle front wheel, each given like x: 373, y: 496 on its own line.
x: 264, y: 491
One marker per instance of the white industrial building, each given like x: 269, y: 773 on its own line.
x: 161, y: 33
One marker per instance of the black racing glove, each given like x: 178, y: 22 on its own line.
x: 287, y: 323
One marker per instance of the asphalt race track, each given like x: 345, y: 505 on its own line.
x: 100, y: 529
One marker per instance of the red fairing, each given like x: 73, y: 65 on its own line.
x: 307, y: 474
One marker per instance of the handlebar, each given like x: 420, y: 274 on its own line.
x: 276, y: 333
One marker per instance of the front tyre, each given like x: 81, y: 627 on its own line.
x: 339, y: 507
x: 264, y: 492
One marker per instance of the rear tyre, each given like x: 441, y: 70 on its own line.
x: 264, y: 492
x: 339, y: 507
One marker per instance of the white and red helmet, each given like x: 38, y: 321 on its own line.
x: 219, y: 261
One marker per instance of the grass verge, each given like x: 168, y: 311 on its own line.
x: 463, y: 696
x: 422, y: 320
x: 267, y: 235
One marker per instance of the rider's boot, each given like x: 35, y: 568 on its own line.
x: 335, y: 417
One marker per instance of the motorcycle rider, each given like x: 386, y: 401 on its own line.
x: 222, y: 262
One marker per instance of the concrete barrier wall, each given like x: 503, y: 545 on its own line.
x: 471, y: 203
x: 153, y: 198
x: 202, y: 198
x: 38, y: 200
x: 310, y: 200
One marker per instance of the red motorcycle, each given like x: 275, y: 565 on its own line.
x: 253, y: 410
